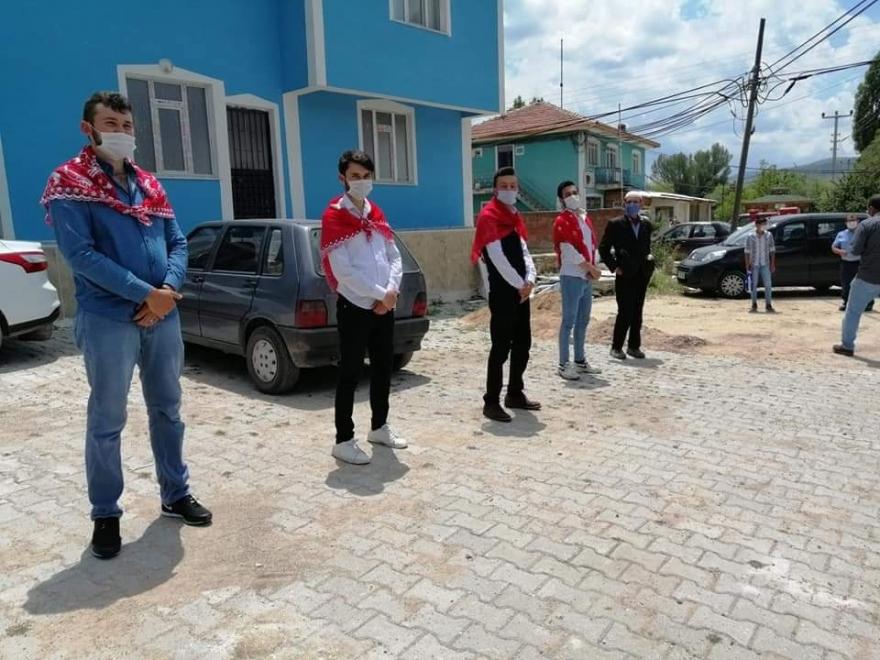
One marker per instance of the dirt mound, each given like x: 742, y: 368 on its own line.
x: 547, y: 311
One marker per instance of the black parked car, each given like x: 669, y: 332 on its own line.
x: 256, y: 288
x: 803, y: 256
x: 689, y: 236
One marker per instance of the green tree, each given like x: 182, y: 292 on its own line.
x: 852, y: 190
x: 696, y: 174
x: 866, y: 119
x: 518, y: 103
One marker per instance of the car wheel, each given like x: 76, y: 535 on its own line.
x: 402, y: 359
x: 40, y: 334
x: 269, y: 363
x: 732, y: 284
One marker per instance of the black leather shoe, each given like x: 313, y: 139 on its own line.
x: 189, y: 509
x: 106, y: 542
x: 520, y: 402
x: 769, y: 309
x: 636, y: 353
x: 617, y: 354
x: 843, y: 350
x: 495, y: 412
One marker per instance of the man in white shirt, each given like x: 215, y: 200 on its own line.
x: 363, y: 266
x: 500, y: 240
x: 574, y: 240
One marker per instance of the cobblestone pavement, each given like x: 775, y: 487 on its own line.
x: 683, y: 507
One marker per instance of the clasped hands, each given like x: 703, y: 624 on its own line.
x: 388, y: 303
x: 158, y: 304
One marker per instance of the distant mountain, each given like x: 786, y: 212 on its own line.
x: 820, y: 169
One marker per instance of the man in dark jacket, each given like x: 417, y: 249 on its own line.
x: 626, y: 250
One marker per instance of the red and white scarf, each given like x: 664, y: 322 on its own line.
x: 567, y: 229
x: 81, y: 179
x: 495, y: 222
x: 339, y: 225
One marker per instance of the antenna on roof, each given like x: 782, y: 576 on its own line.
x: 561, y: 73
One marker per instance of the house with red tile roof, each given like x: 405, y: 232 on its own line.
x: 548, y: 144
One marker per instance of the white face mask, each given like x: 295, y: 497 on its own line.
x: 507, y: 197
x: 572, y: 202
x: 360, y: 189
x: 852, y: 225
x: 119, y: 146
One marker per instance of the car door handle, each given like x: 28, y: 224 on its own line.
x: 250, y: 282
x: 198, y: 279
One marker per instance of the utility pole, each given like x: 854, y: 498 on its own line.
x: 561, y: 73
x: 753, y: 99
x: 834, y: 140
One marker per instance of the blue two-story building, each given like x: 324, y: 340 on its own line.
x: 242, y: 108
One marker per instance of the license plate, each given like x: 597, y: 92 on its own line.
x: 681, y: 276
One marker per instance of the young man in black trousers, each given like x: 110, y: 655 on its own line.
x: 500, y: 240
x: 363, y: 265
x: 626, y: 251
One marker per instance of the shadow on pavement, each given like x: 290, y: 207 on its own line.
x: 874, y: 364
x: 368, y: 480
x: 525, y: 424
x: 18, y: 355
x: 587, y: 383
x: 647, y: 363
x: 314, y: 391
x: 95, y: 583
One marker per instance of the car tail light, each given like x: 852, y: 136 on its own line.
x: 420, y: 305
x: 311, y: 314
x: 32, y: 262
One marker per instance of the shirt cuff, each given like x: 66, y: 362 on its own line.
x: 140, y: 291
x: 379, y: 292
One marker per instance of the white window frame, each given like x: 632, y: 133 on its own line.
x: 636, y: 159
x: 512, y: 154
x: 381, y: 105
x: 612, y: 148
x: 446, y: 8
x: 587, y: 206
x: 217, y: 124
x: 182, y: 108
x: 591, y: 142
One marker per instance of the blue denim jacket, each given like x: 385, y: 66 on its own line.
x: 116, y: 260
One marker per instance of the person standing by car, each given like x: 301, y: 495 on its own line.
x: 866, y: 284
x: 116, y: 229
x: 500, y: 240
x: 364, y: 267
x: 760, y: 257
x: 849, y: 263
x: 574, y: 240
x: 626, y: 250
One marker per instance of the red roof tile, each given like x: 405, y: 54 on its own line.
x: 542, y: 118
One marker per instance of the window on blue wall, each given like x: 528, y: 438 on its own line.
x: 637, y: 162
x: 429, y: 14
x: 171, y: 127
x: 388, y: 135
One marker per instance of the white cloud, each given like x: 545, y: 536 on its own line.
x: 631, y: 51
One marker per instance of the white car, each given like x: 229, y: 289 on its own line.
x: 29, y: 303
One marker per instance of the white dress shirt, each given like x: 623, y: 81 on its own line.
x: 508, y: 272
x: 571, y: 258
x: 367, y: 268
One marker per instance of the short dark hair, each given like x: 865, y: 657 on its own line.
x: 504, y: 171
x: 874, y: 202
x: 113, y: 100
x: 562, y: 186
x: 362, y: 158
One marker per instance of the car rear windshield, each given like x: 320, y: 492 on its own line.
x: 409, y: 263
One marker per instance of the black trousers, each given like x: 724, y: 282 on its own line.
x: 362, y: 332
x: 511, y: 331
x: 630, y: 294
x: 848, y: 272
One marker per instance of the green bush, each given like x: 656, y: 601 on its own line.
x: 663, y: 281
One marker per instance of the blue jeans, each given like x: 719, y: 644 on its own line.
x: 577, y: 302
x: 766, y: 280
x: 860, y: 294
x: 111, y: 350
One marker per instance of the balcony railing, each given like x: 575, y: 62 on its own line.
x: 610, y: 176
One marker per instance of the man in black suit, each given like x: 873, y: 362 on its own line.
x: 626, y: 250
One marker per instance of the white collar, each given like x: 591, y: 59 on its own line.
x: 346, y: 203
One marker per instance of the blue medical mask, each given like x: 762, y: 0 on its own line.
x: 632, y: 209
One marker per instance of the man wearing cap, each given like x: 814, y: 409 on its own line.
x: 626, y: 250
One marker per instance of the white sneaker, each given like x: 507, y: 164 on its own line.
x: 585, y: 368
x: 385, y: 436
x: 349, y: 452
x: 568, y: 372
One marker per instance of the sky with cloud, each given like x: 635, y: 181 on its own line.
x: 632, y: 51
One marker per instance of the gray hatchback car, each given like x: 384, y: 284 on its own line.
x: 256, y: 288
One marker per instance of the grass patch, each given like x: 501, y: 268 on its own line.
x: 663, y: 281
